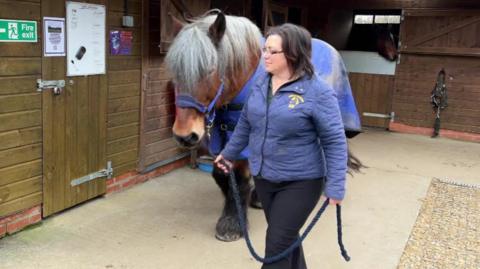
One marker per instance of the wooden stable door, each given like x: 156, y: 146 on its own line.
x: 74, y: 130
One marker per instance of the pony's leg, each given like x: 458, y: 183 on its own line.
x: 254, y: 201
x: 228, y: 227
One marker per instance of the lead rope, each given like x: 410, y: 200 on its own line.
x: 288, y: 251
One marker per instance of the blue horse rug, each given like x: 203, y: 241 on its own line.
x: 328, y: 66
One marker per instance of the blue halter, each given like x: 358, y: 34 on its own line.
x: 187, y: 101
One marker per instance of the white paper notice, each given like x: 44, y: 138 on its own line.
x: 53, y: 36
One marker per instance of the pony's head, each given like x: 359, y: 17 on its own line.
x: 210, y: 60
x: 386, y: 45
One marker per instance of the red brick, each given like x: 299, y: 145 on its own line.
x: 33, y: 211
x: 128, y: 183
x: 6, y: 219
x: 17, y: 225
x: 143, y: 178
x: 3, y: 230
x: 14, y: 217
x: 113, y: 188
x: 124, y: 176
x: 131, y: 178
x: 35, y: 219
x: 403, y: 128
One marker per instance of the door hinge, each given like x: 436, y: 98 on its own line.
x: 106, y: 172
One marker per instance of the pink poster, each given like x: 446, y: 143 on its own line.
x: 121, y: 42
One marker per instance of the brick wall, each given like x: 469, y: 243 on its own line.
x: 403, y: 128
x: 128, y: 180
x: 18, y: 221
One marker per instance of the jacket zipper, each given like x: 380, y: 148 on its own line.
x: 265, y: 133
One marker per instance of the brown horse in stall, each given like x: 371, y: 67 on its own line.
x: 386, y: 45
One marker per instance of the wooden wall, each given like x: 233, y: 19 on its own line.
x: 399, y: 4
x: 431, y: 41
x: 158, y: 97
x: 373, y: 93
x: 20, y: 114
x: 416, y: 77
x: 124, y: 87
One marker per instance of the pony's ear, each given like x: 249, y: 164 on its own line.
x: 177, y: 24
x: 217, y: 29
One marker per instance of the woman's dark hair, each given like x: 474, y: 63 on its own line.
x: 296, y: 46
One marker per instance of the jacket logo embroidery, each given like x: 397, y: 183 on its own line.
x: 295, y: 100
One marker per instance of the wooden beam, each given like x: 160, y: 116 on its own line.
x: 19, y: 120
x: 21, y: 137
x: 469, y: 52
x: 20, y: 155
x: 426, y: 12
x: 422, y: 39
x: 21, y: 171
x: 21, y: 203
x: 19, y: 189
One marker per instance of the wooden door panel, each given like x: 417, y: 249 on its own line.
x: 74, y: 131
x: 373, y: 94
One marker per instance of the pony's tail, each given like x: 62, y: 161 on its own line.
x: 354, y: 164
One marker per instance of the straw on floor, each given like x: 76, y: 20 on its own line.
x: 446, y: 233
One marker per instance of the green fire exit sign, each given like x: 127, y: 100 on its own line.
x: 18, y: 31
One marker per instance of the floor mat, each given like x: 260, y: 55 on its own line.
x: 446, y: 233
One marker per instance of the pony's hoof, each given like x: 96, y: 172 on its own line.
x: 228, y: 229
x: 228, y: 237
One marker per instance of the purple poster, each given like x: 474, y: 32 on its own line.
x: 120, y: 42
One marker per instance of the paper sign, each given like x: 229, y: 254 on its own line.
x: 53, y: 36
x: 121, y: 42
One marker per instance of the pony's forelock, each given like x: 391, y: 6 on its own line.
x: 192, y: 56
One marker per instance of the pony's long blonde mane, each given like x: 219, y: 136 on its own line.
x: 192, y: 57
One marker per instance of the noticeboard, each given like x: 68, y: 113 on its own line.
x: 85, y: 39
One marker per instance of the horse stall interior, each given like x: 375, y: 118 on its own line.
x: 124, y: 115
x: 361, y: 37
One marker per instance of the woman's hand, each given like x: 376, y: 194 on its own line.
x: 335, y: 202
x: 224, y: 164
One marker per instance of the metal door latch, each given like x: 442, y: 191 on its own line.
x: 56, y: 85
x: 107, y: 172
x: 390, y: 116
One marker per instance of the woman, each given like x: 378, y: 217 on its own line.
x: 294, y: 131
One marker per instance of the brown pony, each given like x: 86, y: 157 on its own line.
x: 211, y: 60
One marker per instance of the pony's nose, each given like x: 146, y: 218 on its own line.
x: 188, y: 141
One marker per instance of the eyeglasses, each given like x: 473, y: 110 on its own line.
x: 271, y: 52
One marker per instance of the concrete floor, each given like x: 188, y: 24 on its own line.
x: 169, y: 222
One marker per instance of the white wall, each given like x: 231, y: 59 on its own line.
x: 367, y: 62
